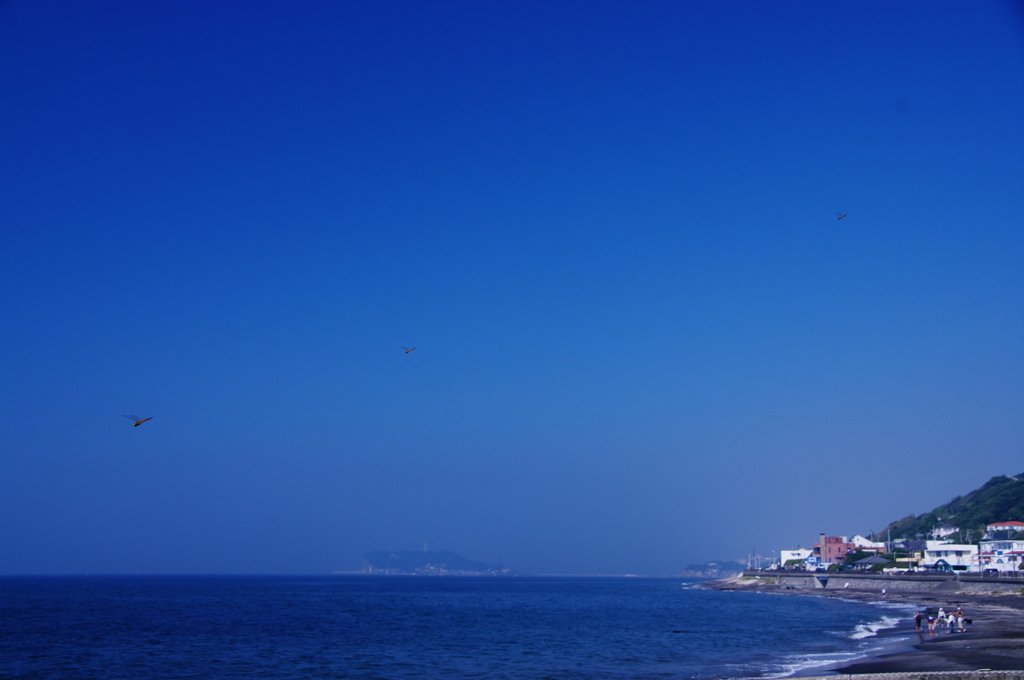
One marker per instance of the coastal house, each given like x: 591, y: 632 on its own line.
x: 938, y: 533
x: 913, y: 547
x: 868, y: 562
x: 861, y: 543
x: 912, y: 551
x: 833, y: 549
x: 1006, y: 555
x: 959, y: 556
x: 1003, y: 529
x: 794, y: 558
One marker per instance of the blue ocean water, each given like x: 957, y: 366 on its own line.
x: 397, y: 628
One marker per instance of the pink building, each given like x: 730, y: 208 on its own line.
x: 833, y: 549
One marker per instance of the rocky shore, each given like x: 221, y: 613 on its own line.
x: 993, y: 642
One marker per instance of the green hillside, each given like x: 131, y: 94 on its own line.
x: 1001, y: 499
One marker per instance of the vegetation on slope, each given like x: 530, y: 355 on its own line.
x: 1000, y: 499
x: 714, y: 569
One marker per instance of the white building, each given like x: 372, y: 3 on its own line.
x: 1003, y: 526
x: 864, y: 544
x: 964, y: 556
x: 944, y: 530
x: 1002, y: 555
x: 800, y: 554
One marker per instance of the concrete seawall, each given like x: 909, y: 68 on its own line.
x: 799, y: 580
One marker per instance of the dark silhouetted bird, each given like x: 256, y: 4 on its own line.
x: 407, y: 349
x: 840, y: 216
x: 137, y: 420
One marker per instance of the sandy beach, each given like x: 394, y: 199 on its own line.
x: 993, y: 641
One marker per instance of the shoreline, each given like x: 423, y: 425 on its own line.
x: 994, y: 641
x: 896, y: 639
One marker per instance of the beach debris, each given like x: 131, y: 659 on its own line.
x: 136, y: 421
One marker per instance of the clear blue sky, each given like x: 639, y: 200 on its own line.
x: 643, y: 337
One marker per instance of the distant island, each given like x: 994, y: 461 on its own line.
x: 713, y: 569
x: 428, y: 563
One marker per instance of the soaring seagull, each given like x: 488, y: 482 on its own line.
x: 407, y: 349
x: 137, y: 420
x: 839, y: 217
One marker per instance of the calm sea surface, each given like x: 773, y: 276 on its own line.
x: 399, y: 628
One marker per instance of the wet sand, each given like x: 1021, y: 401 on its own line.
x: 993, y: 641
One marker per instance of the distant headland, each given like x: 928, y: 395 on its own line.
x: 428, y: 563
x: 713, y: 569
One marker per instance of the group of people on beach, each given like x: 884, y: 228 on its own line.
x: 954, y: 619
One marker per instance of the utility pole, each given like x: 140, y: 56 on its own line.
x: 978, y: 554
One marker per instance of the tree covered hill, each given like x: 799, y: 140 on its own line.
x: 714, y: 569
x: 1000, y: 499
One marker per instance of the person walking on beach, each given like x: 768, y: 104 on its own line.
x: 917, y: 621
x: 931, y: 625
x: 960, y: 621
x: 951, y: 620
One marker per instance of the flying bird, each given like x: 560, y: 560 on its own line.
x: 137, y: 420
x: 407, y: 349
x: 841, y: 216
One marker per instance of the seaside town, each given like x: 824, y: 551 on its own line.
x: 999, y: 550
x: 963, y: 581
